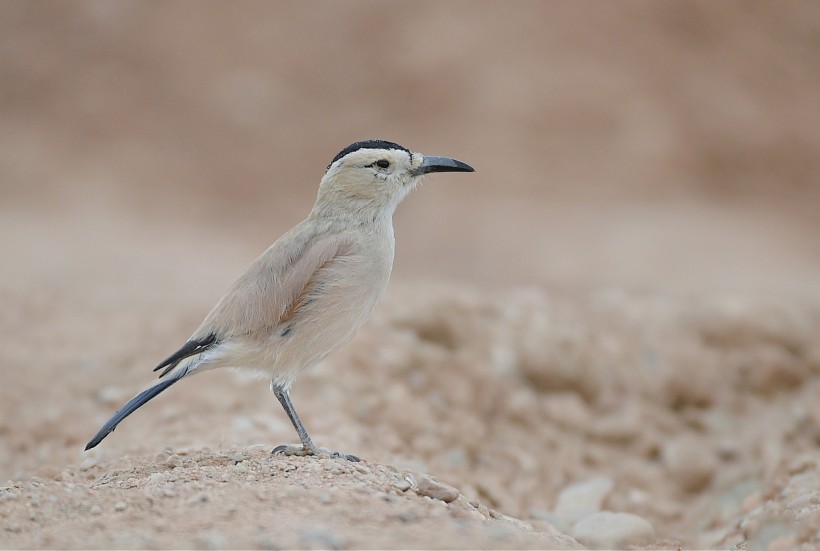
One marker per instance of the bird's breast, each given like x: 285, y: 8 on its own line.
x: 343, y: 297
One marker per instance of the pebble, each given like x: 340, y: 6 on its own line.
x: 88, y: 463
x: 581, y: 499
x: 609, y: 530
x: 156, y: 478
x: 120, y: 506
x: 95, y: 510
x: 238, y: 456
x: 689, y: 462
x: 558, y: 523
x: 173, y: 461
x: 430, y: 487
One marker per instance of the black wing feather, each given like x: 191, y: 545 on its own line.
x: 190, y: 348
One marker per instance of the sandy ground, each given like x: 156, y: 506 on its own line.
x: 606, y: 337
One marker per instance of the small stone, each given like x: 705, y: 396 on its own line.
x: 430, y: 487
x: 173, y: 461
x: 608, y: 530
x: 95, y: 510
x: 558, y: 523
x: 120, y: 506
x: 237, y: 456
x: 156, y: 478
x: 581, y: 499
x: 689, y: 462
x: 88, y: 463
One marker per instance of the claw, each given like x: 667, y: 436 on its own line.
x: 301, y: 451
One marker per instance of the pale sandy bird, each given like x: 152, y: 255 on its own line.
x: 312, y: 290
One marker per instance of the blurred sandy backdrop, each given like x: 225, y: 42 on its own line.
x: 671, y: 145
x: 150, y: 150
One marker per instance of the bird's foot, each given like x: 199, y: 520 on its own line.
x: 302, y: 451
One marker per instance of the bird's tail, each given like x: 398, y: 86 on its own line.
x: 132, y: 406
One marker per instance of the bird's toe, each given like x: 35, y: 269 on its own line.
x: 284, y: 449
x: 302, y: 451
x: 347, y: 456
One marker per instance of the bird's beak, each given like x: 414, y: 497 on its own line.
x: 441, y: 164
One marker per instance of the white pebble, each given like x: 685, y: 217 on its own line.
x: 156, y: 478
x: 610, y: 530
x: 88, y: 463
x: 581, y: 499
x: 429, y: 487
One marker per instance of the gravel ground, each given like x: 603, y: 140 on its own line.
x: 603, y: 421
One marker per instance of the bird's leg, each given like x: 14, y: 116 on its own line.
x: 283, y: 396
x: 308, y: 447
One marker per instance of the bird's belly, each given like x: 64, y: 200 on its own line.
x: 326, y: 321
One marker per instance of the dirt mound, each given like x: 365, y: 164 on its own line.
x: 612, y: 419
x: 248, y: 499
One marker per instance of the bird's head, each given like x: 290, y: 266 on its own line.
x: 376, y: 174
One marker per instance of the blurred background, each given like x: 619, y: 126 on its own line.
x: 566, y: 311
x: 672, y: 146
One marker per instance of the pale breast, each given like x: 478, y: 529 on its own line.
x: 342, y: 298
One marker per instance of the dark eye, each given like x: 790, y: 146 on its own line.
x: 383, y: 163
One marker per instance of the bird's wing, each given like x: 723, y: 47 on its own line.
x: 275, y: 286
x: 269, y: 293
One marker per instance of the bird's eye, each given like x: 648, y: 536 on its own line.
x: 383, y: 163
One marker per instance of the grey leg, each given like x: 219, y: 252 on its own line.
x: 308, y: 447
x: 284, y: 398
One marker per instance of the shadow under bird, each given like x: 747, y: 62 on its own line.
x: 311, y: 291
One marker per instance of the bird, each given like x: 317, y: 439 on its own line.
x: 311, y: 291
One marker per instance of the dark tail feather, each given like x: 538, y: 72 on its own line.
x: 130, y: 407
